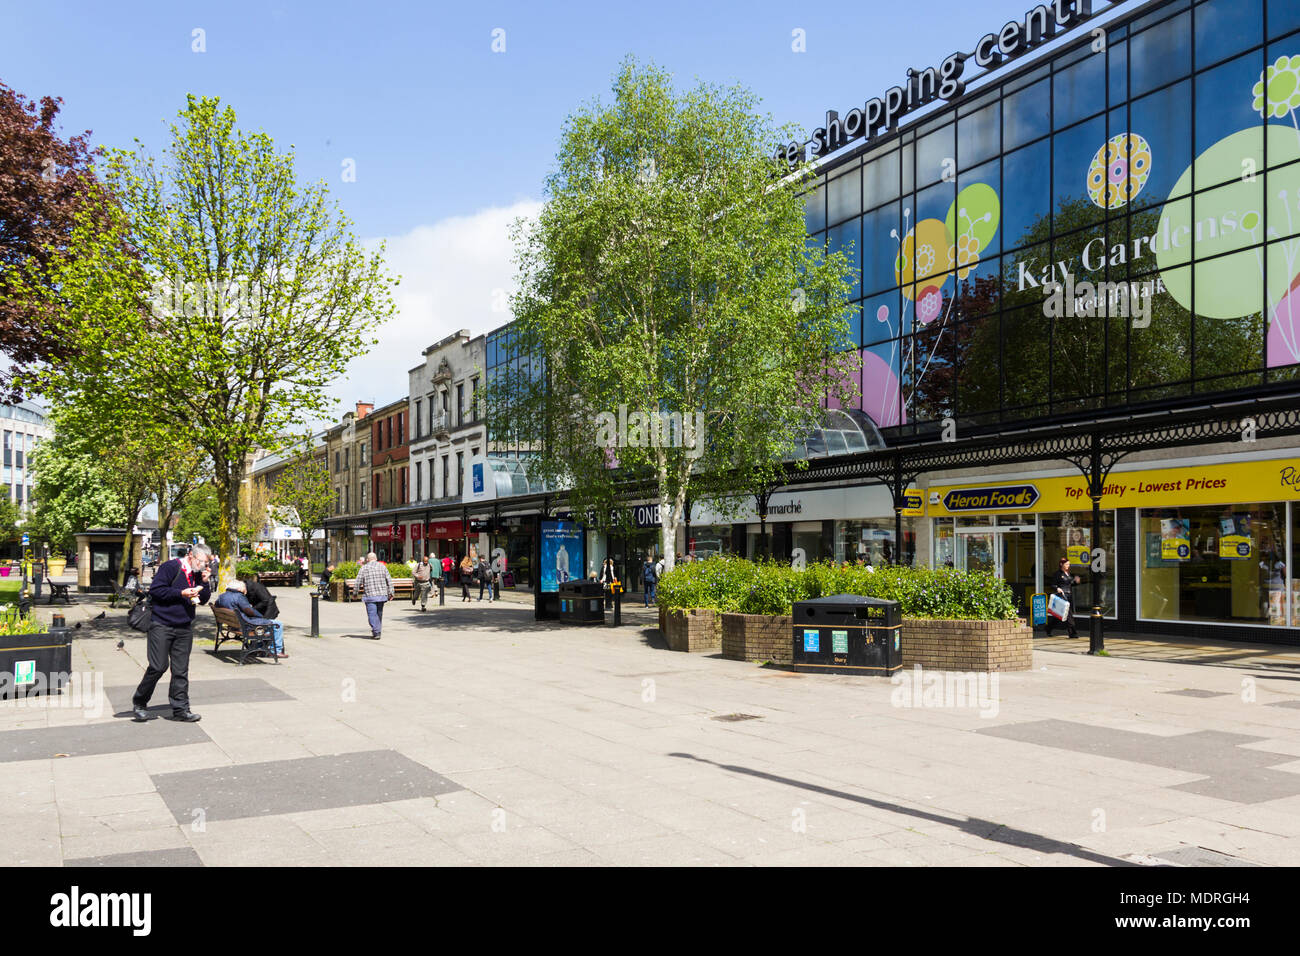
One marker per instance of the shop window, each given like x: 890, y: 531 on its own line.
x: 979, y: 136
x: 1025, y: 380
x: 1075, y: 90
x: 1283, y: 17
x: 709, y: 541
x: 1025, y: 115
x: 1070, y: 534
x: 1220, y: 564
x: 1223, y: 108
x: 1225, y: 27
x: 1073, y: 151
x: 880, y: 318
x: 935, y: 154
x: 934, y: 203
x: 880, y: 248
x: 1117, y: 70
x: 976, y: 346
x: 844, y: 197
x: 814, y: 210
x: 872, y: 542
x: 1160, y: 54
x: 880, y: 179
x: 847, y: 238
x: 988, y: 174
x: 1025, y: 206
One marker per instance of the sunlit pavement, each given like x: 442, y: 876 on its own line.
x: 473, y: 734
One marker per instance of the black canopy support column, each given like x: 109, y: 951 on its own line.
x: 761, y: 498
x: 688, y: 525
x: 1096, y: 467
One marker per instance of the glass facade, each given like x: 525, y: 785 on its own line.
x: 1216, y: 564
x: 1156, y: 179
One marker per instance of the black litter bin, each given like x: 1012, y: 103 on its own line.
x: 35, y: 663
x: 848, y: 634
x: 582, y: 602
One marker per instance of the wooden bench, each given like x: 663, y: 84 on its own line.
x: 282, y: 578
x: 254, y: 639
x: 401, y: 588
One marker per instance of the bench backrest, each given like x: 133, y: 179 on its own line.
x: 227, y: 616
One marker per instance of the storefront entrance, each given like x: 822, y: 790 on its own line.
x: 1010, y: 553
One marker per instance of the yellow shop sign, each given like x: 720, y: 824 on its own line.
x: 1182, y: 485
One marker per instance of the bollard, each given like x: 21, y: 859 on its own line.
x: 57, y: 621
x: 618, y: 606
x: 442, y: 591
x: 315, y: 615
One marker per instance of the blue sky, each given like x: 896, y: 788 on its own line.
x: 450, y: 140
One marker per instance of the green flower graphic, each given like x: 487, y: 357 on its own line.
x: 1282, y: 83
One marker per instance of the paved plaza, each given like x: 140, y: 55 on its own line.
x: 472, y: 734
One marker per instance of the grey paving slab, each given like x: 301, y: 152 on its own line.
x: 181, y: 856
x: 1292, y: 704
x: 291, y: 786
x: 1193, y: 692
x: 1231, y: 771
x: 233, y: 690
x: 114, y: 737
x: 1199, y: 856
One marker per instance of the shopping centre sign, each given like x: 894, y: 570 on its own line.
x: 881, y: 114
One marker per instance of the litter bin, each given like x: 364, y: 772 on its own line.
x: 847, y: 634
x: 35, y: 663
x: 582, y: 602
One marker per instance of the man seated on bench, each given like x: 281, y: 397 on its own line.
x: 235, y: 598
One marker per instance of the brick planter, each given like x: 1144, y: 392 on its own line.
x: 757, y: 637
x: 941, y: 645
x: 695, y: 630
x: 968, y: 645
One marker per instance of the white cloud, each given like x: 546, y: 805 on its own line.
x: 454, y: 273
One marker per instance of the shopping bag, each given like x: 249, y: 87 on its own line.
x: 1058, y: 607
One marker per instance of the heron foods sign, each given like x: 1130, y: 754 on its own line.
x: 1015, y: 497
x: 881, y: 114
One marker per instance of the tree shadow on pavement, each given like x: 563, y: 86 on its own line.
x: 984, y: 829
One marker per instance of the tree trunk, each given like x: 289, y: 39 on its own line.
x: 228, y: 495
x: 125, y: 566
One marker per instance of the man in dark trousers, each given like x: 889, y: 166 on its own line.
x: 1064, y: 583
x: 179, y: 587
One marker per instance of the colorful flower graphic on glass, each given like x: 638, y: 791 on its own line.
x: 1119, y: 170
x: 928, y: 255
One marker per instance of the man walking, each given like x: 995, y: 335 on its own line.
x: 423, y: 574
x: 376, y: 588
x: 179, y: 587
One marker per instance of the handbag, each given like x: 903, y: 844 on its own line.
x: 141, y: 615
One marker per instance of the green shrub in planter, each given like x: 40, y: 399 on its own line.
x: 345, y: 571
x: 729, y: 584
x: 399, y: 569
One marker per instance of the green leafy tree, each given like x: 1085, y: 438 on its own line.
x: 226, y: 293
x: 72, y: 494
x: 669, y: 274
x: 199, y: 514
x: 304, y: 494
x: 10, y: 517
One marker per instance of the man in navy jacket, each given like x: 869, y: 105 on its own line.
x: 179, y: 587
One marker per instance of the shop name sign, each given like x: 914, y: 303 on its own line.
x: 991, y: 499
x: 881, y: 114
